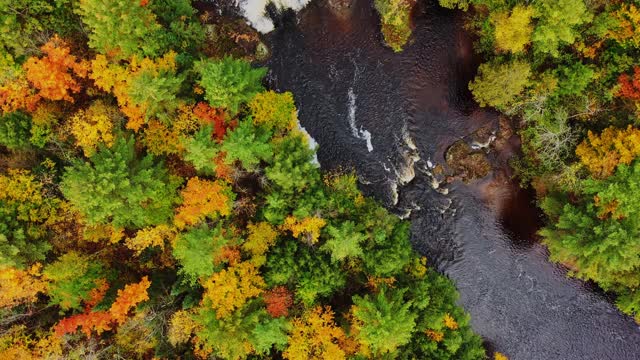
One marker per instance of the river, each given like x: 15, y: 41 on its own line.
x: 391, y: 115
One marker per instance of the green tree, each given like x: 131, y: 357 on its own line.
x: 201, y: 150
x: 15, y: 130
x: 117, y: 187
x: 558, y: 22
x: 248, y: 144
x: 499, y: 85
x: 596, y: 236
x: 71, y: 279
x: 313, y: 276
x: 198, y: 251
x: 156, y: 92
x: 121, y: 28
x: 384, y: 321
x: 229, y: 82
x: 344, y: 241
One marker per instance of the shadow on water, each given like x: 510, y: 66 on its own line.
x: 389, y: 116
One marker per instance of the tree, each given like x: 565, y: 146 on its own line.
x: 602, y: 153
x: 198, y: 249
x: 383, y: 322
x: 117, y: 187
x: 596, y: 236
x: 313, y: 276
x: 55, y: 75
x: 94, y: 126
x: 201, y: 150
x: 315, y: 335
x: 15, y: 129
x: 558, y: 22
x: 307, y: 229
x: 229, y: 82
x: 203, y: 199
x: 20, y: 286
x: 229, y: 289
x: 26, y: 215
x: 145, y: 88
x: 121, y: 28
x: 248, y: 144
x: 498, y: 85
x: 344, y: 241
x: 127, y: 298
x: 630, y: 86
x: 513, y: 30
x: 274, y: 111
x: 278, y: 301
x: 71, y: 279
x: 155, y: 236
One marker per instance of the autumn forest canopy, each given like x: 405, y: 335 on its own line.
x: 156, y: 201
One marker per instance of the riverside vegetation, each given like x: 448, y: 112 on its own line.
x: 569, y: 69
x: 156, y: 201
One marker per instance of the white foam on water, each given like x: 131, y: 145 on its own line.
x: 313, y: 144
x: 254, y: 11
x: 357, y: 133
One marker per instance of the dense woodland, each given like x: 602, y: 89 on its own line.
x: 569, y: 70
x: 156, y: 201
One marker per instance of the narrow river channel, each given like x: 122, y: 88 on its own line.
x: 391, y: 116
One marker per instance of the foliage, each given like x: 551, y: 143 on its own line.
x: 602, y: 153
x: 383, y: 322
x: 247, y: 144
x: 145, y: 88
x: 273, y: 110
x: 20, y: 286
x: 203, y: 199
x: 198, y: 249
x: 71, y: 278
x: 315, y: 336
x: 119, y: 188
x: 201, y: 150
x: 14, y: 130
x: 229, y: 82
x: 395, y: 17
x: 498, y: 85
x: 513, y: 30
x: 557, y: 23
x: 94, y: 126
x: 229, y: 289
x: 26, y: 214
x: 55, y: 75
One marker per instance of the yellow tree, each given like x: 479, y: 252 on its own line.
x: 307, y: 229
x: 261, y: 237
x: 230, y: 289
x: 94, y: 126
x: 602, y: 153
x: 513, y: 31
x: 315, y: 336
x: 20, y: 286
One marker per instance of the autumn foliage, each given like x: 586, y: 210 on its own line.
x: 201, y: 199
x: 602, y: 153
x: 100, y: 321
x: 630, y: 85
x: 57, y: 74
x: 278, y: 301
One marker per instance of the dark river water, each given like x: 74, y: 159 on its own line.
x: 385, y: 114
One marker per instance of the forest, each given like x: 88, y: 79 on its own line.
x: 568, y: 71
x: 158, y: 202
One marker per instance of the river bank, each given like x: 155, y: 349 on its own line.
x: 392, y: 117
